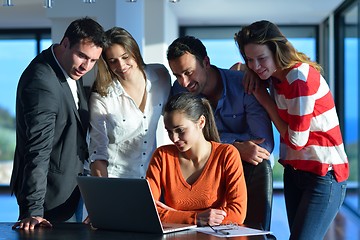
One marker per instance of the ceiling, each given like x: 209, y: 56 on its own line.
x: 232, y: 12
x: 31, y: 14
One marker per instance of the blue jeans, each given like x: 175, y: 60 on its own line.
x: 78, y: 215
x: 312, y: 202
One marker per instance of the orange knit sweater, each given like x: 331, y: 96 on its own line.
x: 221, y: 185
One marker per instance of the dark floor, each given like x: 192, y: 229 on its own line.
x: 344, y: 227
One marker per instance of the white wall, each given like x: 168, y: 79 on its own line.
x: 152, y: 23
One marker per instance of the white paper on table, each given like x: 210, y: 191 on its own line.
x: 231, y: 231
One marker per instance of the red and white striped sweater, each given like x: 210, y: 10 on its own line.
x: 313, y: 140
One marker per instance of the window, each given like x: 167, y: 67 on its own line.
x: 347, y: 93
x: 18, y: 48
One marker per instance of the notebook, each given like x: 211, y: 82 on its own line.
x: 123, y: 204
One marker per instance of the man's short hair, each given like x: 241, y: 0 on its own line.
x: 85, y: 29
x: 185, y: 44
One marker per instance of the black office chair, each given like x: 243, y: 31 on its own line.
x: 259, y: 183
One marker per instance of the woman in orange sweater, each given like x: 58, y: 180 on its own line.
x: 200, y: 180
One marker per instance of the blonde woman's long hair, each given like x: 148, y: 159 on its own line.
x: 267, y: 33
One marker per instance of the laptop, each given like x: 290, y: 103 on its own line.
x: 123, y: 204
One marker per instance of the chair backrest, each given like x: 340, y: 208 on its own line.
x: 259, y: 183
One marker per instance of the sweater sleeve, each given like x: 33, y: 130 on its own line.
x: 220, y: 186
x: 236, y: 194
x: 303, y: 99
x: 161, y: 174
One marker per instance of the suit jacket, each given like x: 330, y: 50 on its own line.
x: 50, y: 141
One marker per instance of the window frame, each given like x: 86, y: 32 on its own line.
x: 37, y: 34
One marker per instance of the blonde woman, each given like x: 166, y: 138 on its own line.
x: 303, y: 111
x: 125, y: 105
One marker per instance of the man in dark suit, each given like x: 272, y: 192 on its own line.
x: 51, y: 125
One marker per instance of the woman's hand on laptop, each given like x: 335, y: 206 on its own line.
x: 87, y: 220
x: 210, y: 217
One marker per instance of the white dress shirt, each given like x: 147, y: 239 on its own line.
x: 71, y: 82
x: 120, y: 132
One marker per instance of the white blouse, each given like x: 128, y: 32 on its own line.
x: 120, y: 132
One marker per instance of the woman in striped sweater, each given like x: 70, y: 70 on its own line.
x: 302, y: 109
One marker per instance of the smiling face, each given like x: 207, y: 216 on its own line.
x: 183, y: 132
x: 260, y: 59
x: 78, y: 59
x: 190, y: 73
x: 119, y: 61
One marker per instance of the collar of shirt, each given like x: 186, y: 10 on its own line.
x: 119, y: 90
x: 71, y: 82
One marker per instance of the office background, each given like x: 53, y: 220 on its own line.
x: 327, y: 30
